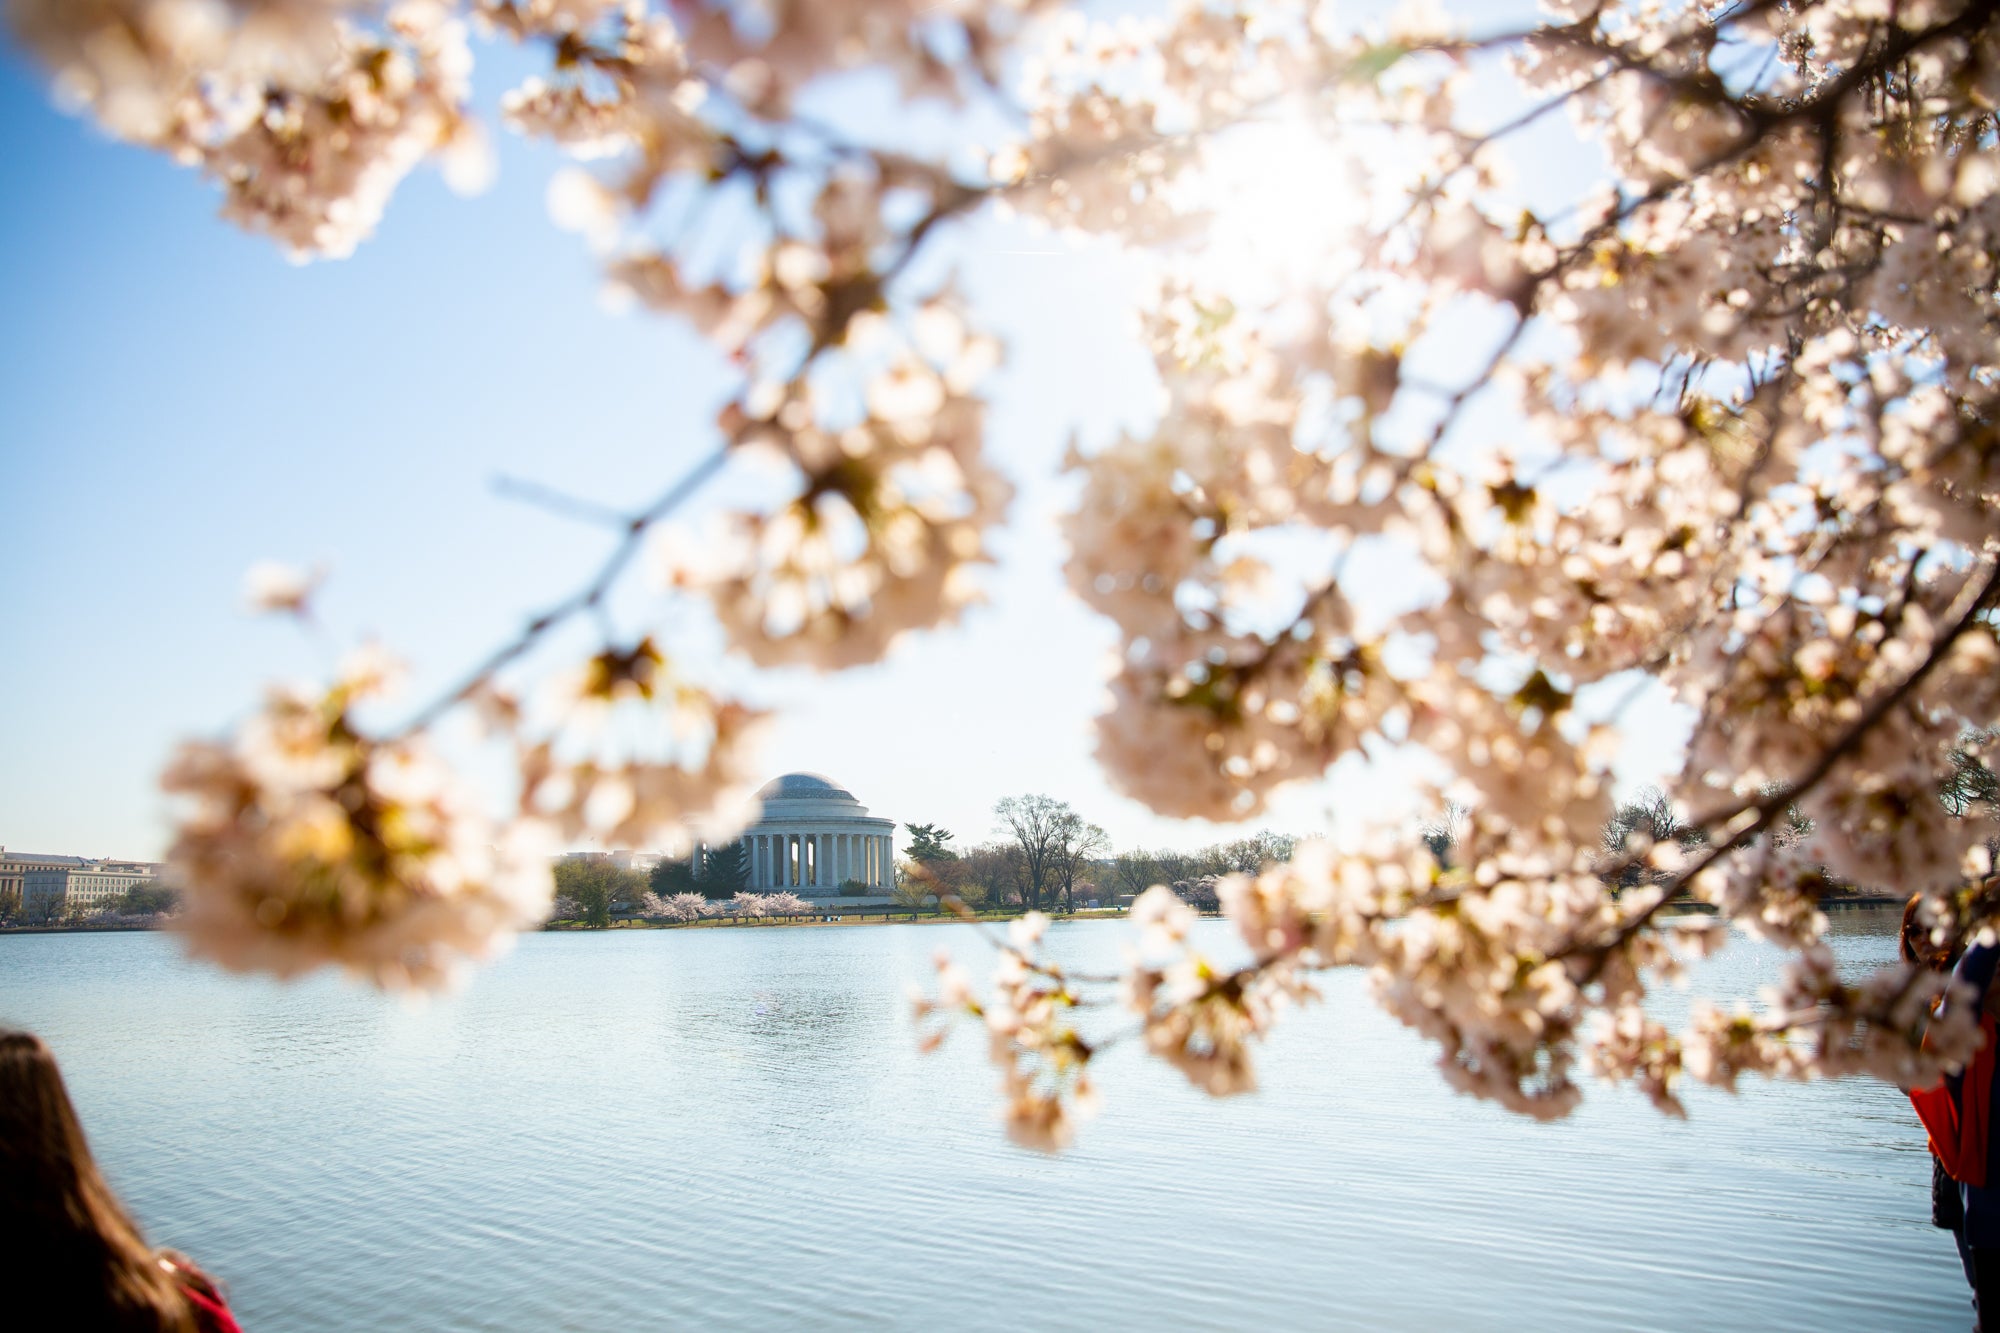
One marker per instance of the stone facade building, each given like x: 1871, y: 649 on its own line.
x: 64, y: 886
x: 813, y: 837
x: 14, y: 868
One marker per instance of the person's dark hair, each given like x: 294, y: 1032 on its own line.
x: 1915, y: 945
x: 80, y: 1256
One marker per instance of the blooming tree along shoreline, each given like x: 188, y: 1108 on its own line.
x: 1748, y: 451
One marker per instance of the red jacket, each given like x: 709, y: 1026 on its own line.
x: 211, y: 1312
x: 1958, y: 1124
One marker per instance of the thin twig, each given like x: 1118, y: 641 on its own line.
x: 559, y: 502
x: 585, y: 598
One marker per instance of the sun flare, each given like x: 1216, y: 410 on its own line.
x: 1287, y: 203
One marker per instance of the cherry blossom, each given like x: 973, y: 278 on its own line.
x: 302, y: 843
x: 1723, y: 421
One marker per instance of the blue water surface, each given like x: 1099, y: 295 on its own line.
x: 731, y: 1129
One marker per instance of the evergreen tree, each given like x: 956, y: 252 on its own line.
x: 929, y: 842
x: 673, y: 875
x: 723, y: 871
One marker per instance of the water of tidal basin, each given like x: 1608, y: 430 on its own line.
x: 730, y: 1129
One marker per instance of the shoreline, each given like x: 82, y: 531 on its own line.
x: 889, y: 917
x: 886, y: 917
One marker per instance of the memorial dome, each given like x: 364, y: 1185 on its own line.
x: 813, y: 837
x: 804, y: 787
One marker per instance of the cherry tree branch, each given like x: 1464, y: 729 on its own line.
x: 1729, y: 838
x: 584, y: 599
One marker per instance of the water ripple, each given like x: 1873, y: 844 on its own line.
x: 729, y: 1129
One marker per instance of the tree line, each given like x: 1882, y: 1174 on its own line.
x: 148, y: 898
x: 1045, y: 856
x: 1969, y: 790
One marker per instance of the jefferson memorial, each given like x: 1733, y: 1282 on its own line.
x: 814, y: 836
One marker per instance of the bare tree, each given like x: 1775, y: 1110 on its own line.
x: 1080, y: 843
x: 1133, y: 872
x: 1249, y: 856
x: 1041, y: 826
x: 957, y: 878
x: 1645, y: 821
x: 1172, y: 865
x: 998, y: 870
x: 1971, y: 784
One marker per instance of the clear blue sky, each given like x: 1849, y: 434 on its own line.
x: 177, y: 401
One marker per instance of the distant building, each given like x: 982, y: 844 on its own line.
x: 14, y: 867
x: 813, y: 837
x: 59, y: 886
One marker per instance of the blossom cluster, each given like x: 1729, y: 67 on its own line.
x: 614, y: 758
x: 1745, y: 457
x: 304, y: 842
x: 305, y: 113
x: 694, y: 907
x: 1032, y: 1038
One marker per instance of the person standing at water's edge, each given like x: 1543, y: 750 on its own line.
x: 1958, y: 1116
x: 68, y: 1249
